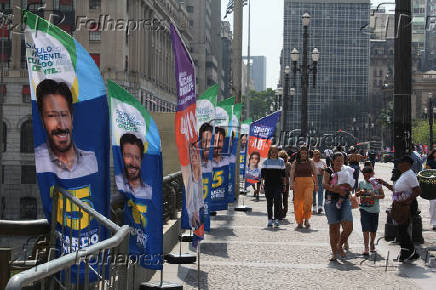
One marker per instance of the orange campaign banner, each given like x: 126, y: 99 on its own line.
x: 259, y: 143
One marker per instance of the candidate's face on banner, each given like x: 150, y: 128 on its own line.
x: 243, y: 141
x: 58, y: 121
x: 132, y: 161
x: 254, y: 161
x: 219, y: 144
x: 195, y: 163
x: 206, y: 138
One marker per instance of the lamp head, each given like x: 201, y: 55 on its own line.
x: 295, y: 55
x: 287, y: 69
x: 306, y: 19
x: 315, y: 55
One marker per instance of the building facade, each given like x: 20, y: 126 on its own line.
x: 142, y: 61
x: 257, y: 71
x: 203, y: 16
x: 343, y: 67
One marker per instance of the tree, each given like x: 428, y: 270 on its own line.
x: 260, y: 103
x: 421, y: 132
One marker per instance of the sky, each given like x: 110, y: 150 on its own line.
x: 266, y: 33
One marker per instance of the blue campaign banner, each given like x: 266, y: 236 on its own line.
x: 232, y: 169
x: 70, y: 118
x: 218, y: 194
x: 138, y: 172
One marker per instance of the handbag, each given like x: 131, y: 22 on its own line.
x: 400, y: 213
x: 354, y: 201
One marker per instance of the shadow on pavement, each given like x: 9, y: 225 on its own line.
x: 214, y: 249
x: 305, y: 230
x: 272, y: 229
x: 412, y: 271
x: 221, y: 232
x: 192, y: 277
x: 343, y: 265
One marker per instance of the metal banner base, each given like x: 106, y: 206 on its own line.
x: 180, y: 258
x: 186, y: 238
x: 160, y: 285
x: 243, y: 208
x: 212, y: 213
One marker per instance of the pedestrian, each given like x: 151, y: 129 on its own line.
x: 274, y: 179
x: 285, y: 196
x: 320, y: 166
x: 405, y: 190
x: 370, y: 193
x: 328, y: 156
x: 372, y: 155
x: 303, y: 182
x: 431, y: 164
x: 354, y: 158
x: 339, y: 148
x: 417, y: 161
x: 337, y: 217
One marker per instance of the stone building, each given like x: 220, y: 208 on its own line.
x: 141, y: 60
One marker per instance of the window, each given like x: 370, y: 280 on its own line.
x: 26, y: 137
x: 190, y: 9
x: 96, y: 58
x: 28, y: 174
x: 5, y: 4
x: 94, y: 36
x: 25, y: 92
x: 94, y: 4
x: 5, y: 137
x: 28, y: 208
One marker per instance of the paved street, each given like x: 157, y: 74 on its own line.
x: 240, y: 252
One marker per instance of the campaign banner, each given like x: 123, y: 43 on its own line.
x: 236, y: 115
x: 187, y: 133
x: 259, y: 142
x: 221, y: 156
x: 70, y: 118
x: 137, y: 155
x: 206, y: 105
x: 245, y: 132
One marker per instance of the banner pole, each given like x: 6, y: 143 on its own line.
x: 198, y: 265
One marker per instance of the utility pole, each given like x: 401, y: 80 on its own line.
x: 304, y: 84
x: 402, y: 78
x: 430, y: 118
x: 236, y: 76
x: 247, y: 103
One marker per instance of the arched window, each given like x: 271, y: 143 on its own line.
x: 5, y: 136
x: 26, y: 137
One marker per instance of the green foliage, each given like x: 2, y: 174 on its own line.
x: 421, y: 132
x: 260, y: 103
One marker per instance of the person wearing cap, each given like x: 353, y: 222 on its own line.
x: 405, y: 190
x: 370, y: 193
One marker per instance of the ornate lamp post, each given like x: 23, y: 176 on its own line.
x: 305, y: 69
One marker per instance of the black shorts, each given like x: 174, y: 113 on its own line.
x: 369, y: 221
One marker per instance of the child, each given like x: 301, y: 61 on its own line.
x: 370, y: 192
x: 345, y: 177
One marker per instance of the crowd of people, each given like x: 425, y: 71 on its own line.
x: 332, y: 186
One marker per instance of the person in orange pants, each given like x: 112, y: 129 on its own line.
x: 303, y: 181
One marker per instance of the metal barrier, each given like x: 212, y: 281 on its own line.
x: 44, y: 267
x: 57, y: 273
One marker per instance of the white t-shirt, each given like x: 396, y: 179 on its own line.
x: 318, y: 166
x: 406, y: 182
x: 328, y: 152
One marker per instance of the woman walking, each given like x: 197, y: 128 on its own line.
x: 354, y: 158
x: 303, y: 182
x: 337, y: 217
x: 284, y: 156
x: 274, y: 178
x: 405, y: 190
x: 319, y: 168
x: 431, y: 164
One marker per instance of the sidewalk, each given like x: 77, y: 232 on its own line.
x: 240, y: 252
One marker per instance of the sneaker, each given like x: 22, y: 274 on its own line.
x: 413, y: 257
x: 319, y: 210
x: 269, y: 223
x: 276, y: 223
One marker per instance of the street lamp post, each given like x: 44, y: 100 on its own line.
x: 285, y: 99
x: 305, y: 69
x: 430, y: 118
